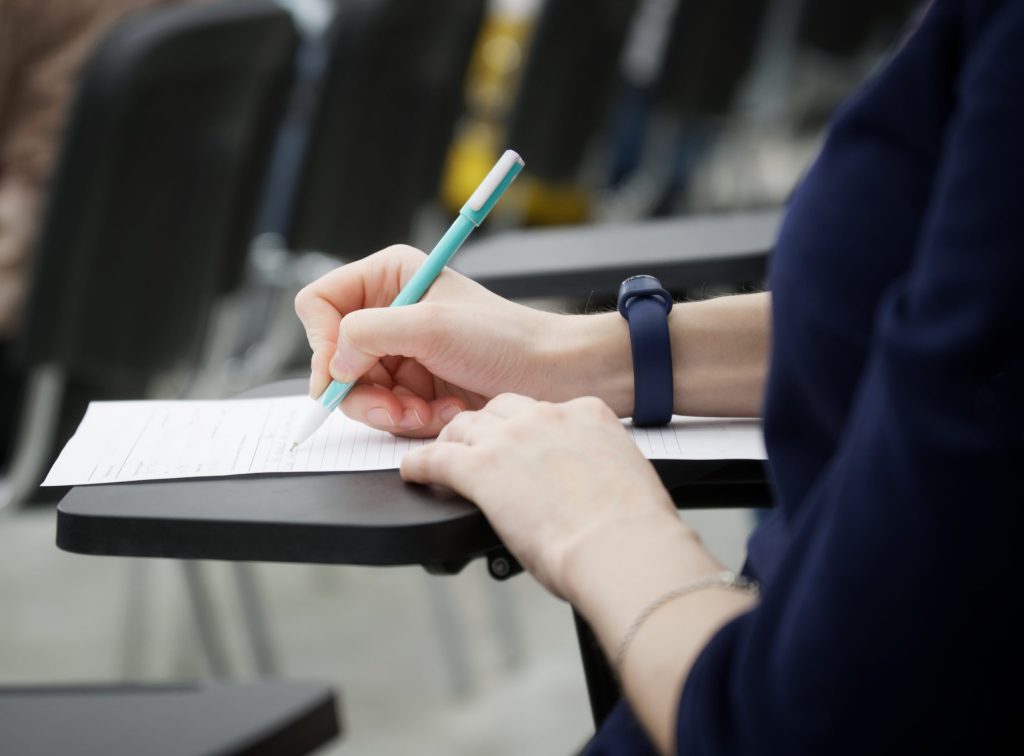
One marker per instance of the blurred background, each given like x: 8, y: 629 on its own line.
x: 172, y: 172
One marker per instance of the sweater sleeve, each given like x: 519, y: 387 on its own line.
x: 886, y: 628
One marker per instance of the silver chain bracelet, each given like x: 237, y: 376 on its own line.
x: 724, y: 579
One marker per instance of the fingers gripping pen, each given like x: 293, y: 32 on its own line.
x: 470, y: 216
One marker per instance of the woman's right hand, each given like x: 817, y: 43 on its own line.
x: 419, y: 365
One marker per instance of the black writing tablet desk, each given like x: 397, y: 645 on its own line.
x: 682, y: 253
x: 367, y: 518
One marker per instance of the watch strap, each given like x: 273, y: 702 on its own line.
x: 652, y: 361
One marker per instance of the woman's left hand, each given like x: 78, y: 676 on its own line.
x: 549, y: 477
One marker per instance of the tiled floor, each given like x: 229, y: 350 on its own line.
x: 372, y: 633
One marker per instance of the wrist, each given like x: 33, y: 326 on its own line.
x: 625, y: 560
x: 591, y: 355
x: 611, y: 579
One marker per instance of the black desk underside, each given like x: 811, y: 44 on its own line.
x: 367, y: 518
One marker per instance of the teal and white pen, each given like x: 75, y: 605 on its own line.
x: 470, y: 216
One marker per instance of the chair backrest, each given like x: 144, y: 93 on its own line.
x: 844, y: 28
x: 570, y: 76
x: 710, y: 49
x: 390, y: 96
x: 152, y: 201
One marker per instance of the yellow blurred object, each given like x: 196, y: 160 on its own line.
x: 471, y: 155
x: 494, y: 71
x: 546, y: 204
x: 535, y: 202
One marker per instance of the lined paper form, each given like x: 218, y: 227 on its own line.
x: 119, y: 442
x: 702, y: 438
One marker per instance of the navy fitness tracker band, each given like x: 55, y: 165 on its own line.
x: 645, y: 305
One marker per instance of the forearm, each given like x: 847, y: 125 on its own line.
x: 719, y: 354
x: 615, y: 582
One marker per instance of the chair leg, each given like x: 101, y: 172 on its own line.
x: 451, y: 636
x: 508, y: 628
x: 36, y: 432
x: 136, y: 614
x: 601, y: 684
x: 255, y: 620
x: 206, y: 620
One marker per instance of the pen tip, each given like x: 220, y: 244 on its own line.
x: 295, y: 445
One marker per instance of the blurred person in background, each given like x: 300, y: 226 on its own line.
x: 42, y: 45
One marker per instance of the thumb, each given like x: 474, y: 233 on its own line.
x: 365, y: 336
x: 320, y: 320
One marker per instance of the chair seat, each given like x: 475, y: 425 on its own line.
x: 188, y: 719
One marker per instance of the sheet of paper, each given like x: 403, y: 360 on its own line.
x: 157, y: 440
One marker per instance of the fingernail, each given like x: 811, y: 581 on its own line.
x: 449, y: 412
x: 411, y: 420
x: 380, y: 416
x: 339, y: 369
x: 312, y: 378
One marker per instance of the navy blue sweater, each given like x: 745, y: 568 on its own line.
x: 893, y: 420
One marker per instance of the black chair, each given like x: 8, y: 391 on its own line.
x: 710, y: 49
x: 575, y: 89
x: 149, y: 216
x: 844, y: 28
x: 570, y: 76
x: 387, y: 106
x: 360, y: 153
x: 150, y: 208
x: 180, y: 719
